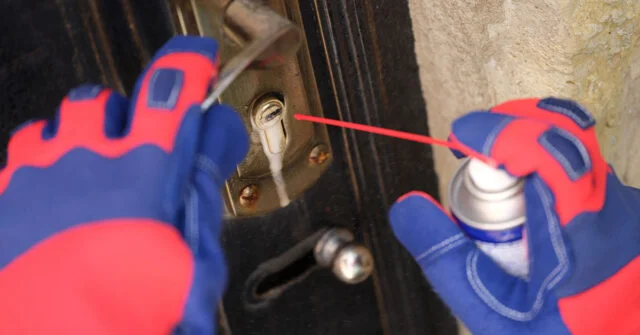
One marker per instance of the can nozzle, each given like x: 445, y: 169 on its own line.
x: 489, y: 179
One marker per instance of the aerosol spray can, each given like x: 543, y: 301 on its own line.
x: 489, y: 206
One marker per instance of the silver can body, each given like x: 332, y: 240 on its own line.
x: 494, y: 220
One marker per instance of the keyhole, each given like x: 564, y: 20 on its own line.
x: 268, y: 117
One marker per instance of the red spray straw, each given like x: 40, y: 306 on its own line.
x: 399, y: 134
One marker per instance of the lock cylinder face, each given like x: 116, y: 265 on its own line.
x: 267, y: 118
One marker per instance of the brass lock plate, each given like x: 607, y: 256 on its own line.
x: 281, y: 91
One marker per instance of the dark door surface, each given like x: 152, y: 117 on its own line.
x: 366, y: 72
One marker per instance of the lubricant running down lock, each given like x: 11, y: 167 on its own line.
x: 487, y: 202
x: 489, y: 206
x: 267, y: 122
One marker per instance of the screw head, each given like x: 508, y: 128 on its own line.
x: 249, y: 196
x: 319, y: 154
x: 353, y: 264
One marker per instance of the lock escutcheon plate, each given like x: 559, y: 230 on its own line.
x: 251, y: 190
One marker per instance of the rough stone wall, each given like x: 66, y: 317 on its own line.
x: 475, y: 54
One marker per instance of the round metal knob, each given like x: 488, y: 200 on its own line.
x: 352, y: 263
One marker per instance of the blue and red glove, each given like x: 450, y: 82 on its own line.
x: 110, y: 214
x: 583, y: 229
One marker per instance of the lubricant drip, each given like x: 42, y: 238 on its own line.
x: 275, y: 165
x: 273, y: 142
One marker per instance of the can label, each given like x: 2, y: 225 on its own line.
x: 493, y: 236
x: 510, y: 256
x: 507, y: 247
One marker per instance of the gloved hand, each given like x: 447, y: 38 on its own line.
x: 110, y: 214
x: 582, y: 229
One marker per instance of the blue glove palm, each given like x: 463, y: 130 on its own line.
x: 110, y: 214
x: 582, y: 230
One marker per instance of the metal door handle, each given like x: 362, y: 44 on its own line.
x: 351, y: 262
x: 328, y: 248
